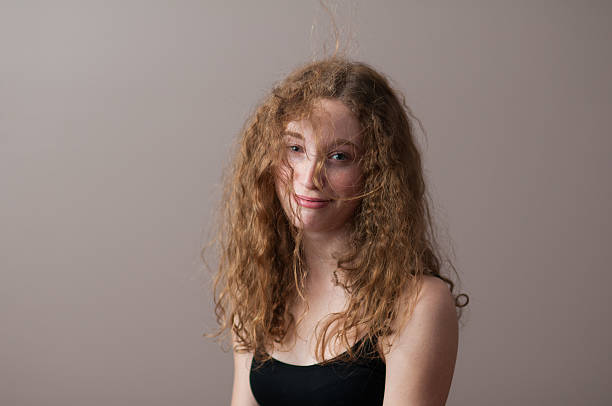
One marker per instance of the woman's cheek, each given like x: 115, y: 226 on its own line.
x: 347, y: 184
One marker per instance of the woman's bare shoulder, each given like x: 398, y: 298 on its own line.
x: 423, y: 351
x: 241, y: 390
x: 435, y: 289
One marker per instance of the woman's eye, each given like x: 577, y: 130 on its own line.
x: 339, y: 156
x: 295, y: 148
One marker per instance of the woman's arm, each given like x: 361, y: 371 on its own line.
x: 241, y: 390
x: 421, y: 361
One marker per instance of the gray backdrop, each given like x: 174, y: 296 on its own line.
x: 116, y: 118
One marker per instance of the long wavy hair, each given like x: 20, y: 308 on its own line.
x: 392, y: 241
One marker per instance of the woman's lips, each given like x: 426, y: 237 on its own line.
x: 311, y: 202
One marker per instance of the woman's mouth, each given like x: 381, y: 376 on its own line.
x: 311, y: 202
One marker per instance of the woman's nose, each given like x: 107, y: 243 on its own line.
x: 308, y: 174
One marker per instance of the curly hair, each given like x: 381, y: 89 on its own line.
x: 392, y: 241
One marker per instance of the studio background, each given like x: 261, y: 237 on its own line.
x: 116, y: 121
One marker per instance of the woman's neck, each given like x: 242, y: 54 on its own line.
x: 320, y: 254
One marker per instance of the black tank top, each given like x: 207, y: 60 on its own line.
x: 359, y: 382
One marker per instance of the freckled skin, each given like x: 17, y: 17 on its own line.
x: 340, y: 177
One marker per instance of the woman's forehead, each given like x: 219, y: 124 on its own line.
x: 331, y: 120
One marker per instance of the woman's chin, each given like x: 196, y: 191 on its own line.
x: 311, y: 226
x: 318, y: 227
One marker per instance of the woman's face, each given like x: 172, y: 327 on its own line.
x: 337, y: 146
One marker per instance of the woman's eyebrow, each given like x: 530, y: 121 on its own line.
x: 342, y: 141
x: 334, y: 143
x: 293, y: 134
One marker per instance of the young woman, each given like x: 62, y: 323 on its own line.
x: 329, y: 276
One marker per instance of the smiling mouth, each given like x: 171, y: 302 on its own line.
x: 311, y: 199
x: 311, y: 202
